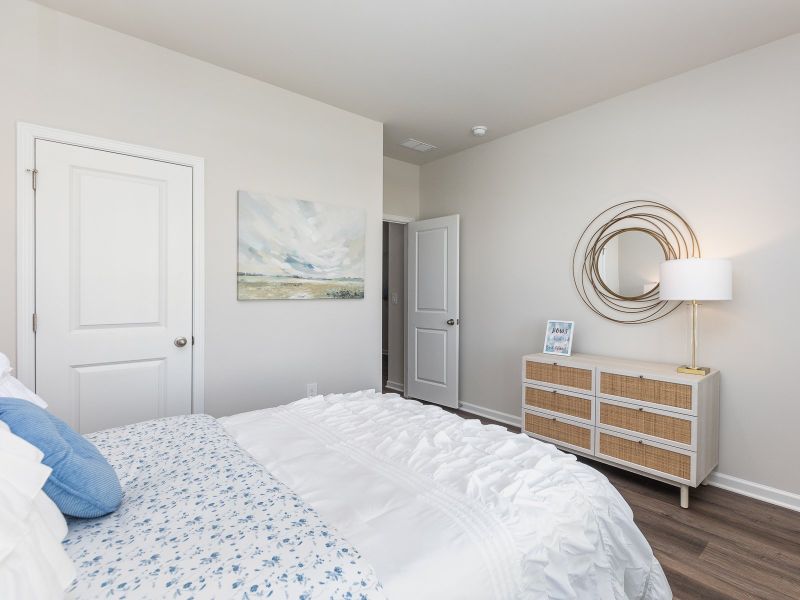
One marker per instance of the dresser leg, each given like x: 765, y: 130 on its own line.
x: 684, y: 496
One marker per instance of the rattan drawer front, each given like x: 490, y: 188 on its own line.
x: 666, y: 393
x: 640, y: 420
x: 550, y: 427
x: 641, y: 453
x: 556, y: 374
x: 560, y: 402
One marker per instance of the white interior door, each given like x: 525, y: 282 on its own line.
x: 113, y: 286
x: 433, y: 319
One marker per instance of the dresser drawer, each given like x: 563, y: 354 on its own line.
x: 565, y: 376
x: 557, y: 401
x: 667, y: 427
x: 659, y: 459
x: 559, y: 431
x: 665, y: 393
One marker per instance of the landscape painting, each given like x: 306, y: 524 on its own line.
x: 299, y: 250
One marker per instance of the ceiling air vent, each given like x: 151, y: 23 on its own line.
x: 418, y: 146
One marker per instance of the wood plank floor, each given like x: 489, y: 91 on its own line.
x: 723, y: 547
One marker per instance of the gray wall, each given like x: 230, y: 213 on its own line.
x: 384, y: 292
x: 397, y: 286
x: 721, y: 145
x: 400, y: 188
x: 62, y: 72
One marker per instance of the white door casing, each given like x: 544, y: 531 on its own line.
x: 27, y: 135
x: 113, y: 286
x: 433, y: 310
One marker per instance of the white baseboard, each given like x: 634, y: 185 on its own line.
x: 394, y: 386
x: 489, y: 413
x: 755, y: 490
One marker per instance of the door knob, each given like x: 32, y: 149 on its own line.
x: 451, y: 321
x: 180, y: 342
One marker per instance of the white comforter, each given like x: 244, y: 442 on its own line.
x: 444, y: 507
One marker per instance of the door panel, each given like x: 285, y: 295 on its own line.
x: 113, y: 286
x: 433, y: 319
x: 431, y: 365
x: 432, y: 270
x: 113, y: 214
x: 139, y: 393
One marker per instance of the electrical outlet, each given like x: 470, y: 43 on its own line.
x: 395, y: 298
x: 311, y: 389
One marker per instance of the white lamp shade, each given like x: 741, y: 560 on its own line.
x: 696, y: 279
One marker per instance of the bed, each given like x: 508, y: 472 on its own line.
x: 359, y: 496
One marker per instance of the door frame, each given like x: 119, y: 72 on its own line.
x: 27, y: 134
x: 397, y: 219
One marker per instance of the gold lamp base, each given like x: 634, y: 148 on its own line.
x: 694, y: 370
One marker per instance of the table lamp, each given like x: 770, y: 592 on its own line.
x: 695, y: 280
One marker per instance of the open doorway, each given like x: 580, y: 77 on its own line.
x: 394, y: 294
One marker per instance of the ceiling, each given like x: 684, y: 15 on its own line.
x: 431, y: 69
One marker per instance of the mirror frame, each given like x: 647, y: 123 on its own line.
x: 666, y: 226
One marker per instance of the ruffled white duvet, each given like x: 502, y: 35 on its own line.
x: 444, y: 507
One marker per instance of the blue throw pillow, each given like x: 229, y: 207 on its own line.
x: 82, y: 483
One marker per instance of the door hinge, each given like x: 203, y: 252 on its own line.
x: 34, y: 173
x: 34, y: 322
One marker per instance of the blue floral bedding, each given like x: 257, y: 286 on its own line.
x: 201, y: 518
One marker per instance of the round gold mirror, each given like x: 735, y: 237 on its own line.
x: 627, y: 264
x: 616, y: 260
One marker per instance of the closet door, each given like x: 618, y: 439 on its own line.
x: 113, y: 286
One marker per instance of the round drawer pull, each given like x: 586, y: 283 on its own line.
x: 555, y: 364
x: 554, y: 418
x: 641, y: 442
x: 641, y: 409
x: 641, y: 376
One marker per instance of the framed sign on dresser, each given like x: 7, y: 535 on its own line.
x: 640, y: 416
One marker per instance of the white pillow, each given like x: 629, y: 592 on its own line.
x: 18, y: 466
x: 11, y: 387
x: 33, y: 563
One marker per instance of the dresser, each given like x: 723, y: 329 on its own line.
x: 640, y: 416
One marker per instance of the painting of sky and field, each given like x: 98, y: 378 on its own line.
x: 299, y: 250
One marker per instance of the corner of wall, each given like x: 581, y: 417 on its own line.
x: 401, y: 187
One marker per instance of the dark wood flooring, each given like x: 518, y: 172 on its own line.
x: 724, y: 546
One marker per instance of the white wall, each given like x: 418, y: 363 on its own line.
x: 721, y: 145
x: 400, y: 188
x: 62, y: 72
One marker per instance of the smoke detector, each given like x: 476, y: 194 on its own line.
x: 479, y: 130
x: 417, y: 145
